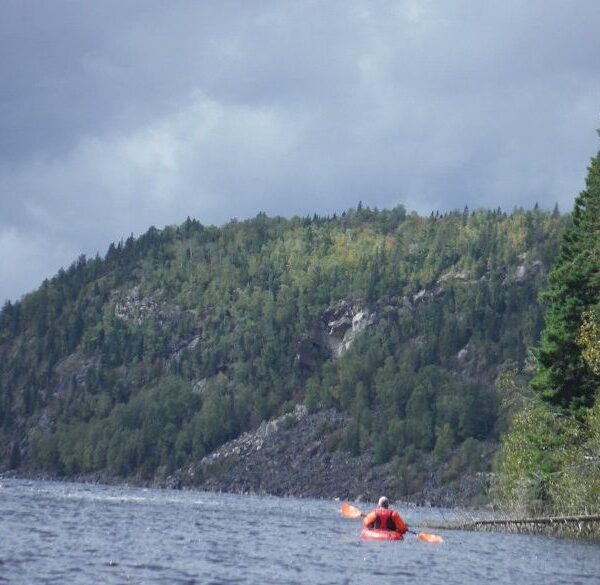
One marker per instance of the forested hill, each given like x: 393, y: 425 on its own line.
x: 145, y: 361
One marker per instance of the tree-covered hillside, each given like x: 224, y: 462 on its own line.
x: 148, y: 359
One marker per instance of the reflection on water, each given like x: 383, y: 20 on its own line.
x: 73, y: 533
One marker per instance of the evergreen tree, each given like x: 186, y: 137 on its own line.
x: 563, y: 378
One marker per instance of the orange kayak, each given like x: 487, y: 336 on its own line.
x: 376, y: 534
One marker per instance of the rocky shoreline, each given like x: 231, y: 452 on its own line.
x: 297, y: 455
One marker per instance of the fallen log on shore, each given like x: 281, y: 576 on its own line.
x: 582, y: 526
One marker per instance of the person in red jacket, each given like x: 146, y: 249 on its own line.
x: 385, y: 519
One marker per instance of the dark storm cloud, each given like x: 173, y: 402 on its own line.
x: 115, y: 116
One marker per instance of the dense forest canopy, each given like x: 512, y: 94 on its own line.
x: 177, y: 341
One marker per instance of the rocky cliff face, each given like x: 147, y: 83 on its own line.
x: 341, y: 324
x: 297, y: 455
x: 334, y: 332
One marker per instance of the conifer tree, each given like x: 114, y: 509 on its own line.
x: 563, y: 378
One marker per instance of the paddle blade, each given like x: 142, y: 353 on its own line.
x: 430, y: 538
x: 348, y: 511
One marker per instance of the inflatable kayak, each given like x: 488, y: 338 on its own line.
x: 377, y: 534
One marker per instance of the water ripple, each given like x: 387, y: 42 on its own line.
x: 67, y: 533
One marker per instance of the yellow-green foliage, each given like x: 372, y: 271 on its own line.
x: 589, y: 341
x: 524, y: 454
x: 577, y: 487
x: 550, y: 463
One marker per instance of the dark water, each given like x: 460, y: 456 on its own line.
x: 73, y: 533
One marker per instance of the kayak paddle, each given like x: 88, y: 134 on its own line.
x: 349, y: 511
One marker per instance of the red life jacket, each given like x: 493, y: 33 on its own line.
x: 384, y: 519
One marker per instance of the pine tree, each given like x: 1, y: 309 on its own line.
x: 563, y: 378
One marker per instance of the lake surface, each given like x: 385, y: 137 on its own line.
x: 73, y: 533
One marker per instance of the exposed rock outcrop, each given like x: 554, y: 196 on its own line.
x: 341, y: 324
x: 130, y: 306
x: 528, y: 270
x: 334, y: 332
x: 72, y: 371
x: 298, y: 454
x: 293, y: 455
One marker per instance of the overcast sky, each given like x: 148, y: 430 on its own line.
x: 119, y: 115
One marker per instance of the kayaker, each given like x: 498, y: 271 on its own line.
x: 384, y: 518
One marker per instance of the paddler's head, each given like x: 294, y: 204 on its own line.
x: 383, y: 502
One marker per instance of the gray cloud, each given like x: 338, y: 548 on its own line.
x: 117, y: 116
